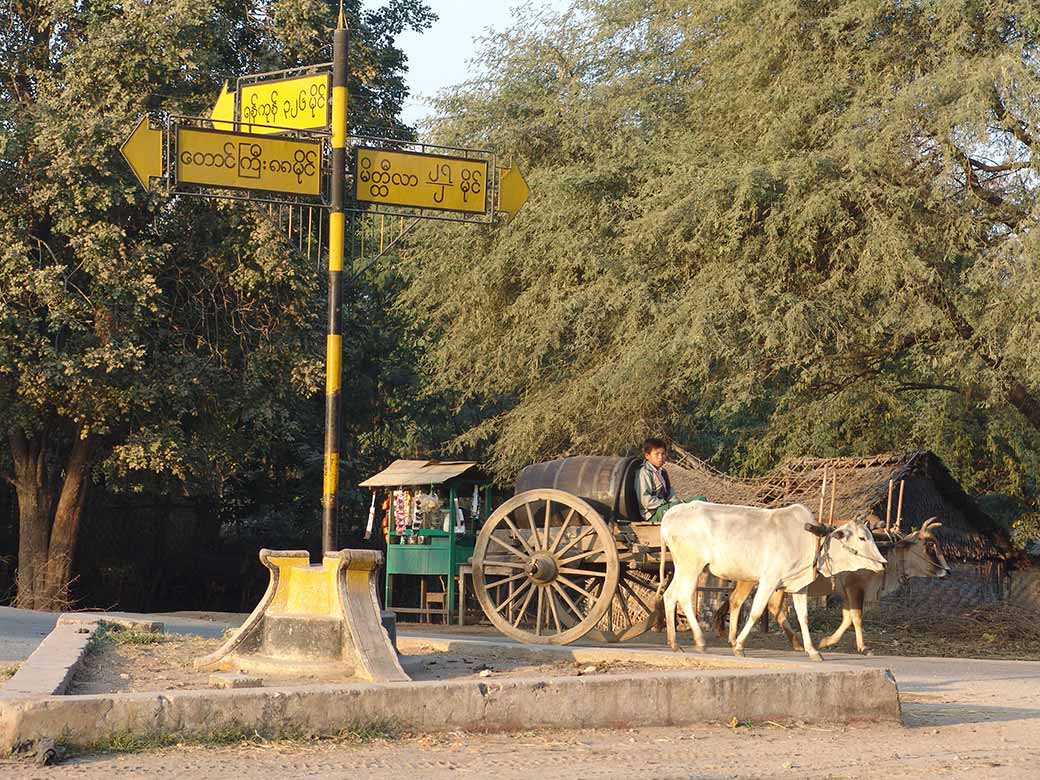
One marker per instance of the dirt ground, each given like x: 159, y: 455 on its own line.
x: 165, y: 663
x: 990, y: 751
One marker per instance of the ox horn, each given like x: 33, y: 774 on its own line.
x: 930, y: 523
x: 816, y: 528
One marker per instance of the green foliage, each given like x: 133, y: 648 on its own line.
x: 769, y: 229
x: 182, y: 340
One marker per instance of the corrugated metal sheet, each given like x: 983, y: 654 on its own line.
x: 419, y: 472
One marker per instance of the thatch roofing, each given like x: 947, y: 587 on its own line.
x: 860, y: 491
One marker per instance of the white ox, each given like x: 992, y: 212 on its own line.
x: 777, y: 548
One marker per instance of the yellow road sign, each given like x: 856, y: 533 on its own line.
x: 223, y: 113
x: 143, y: 150
x: 512, y: 191
x: 216, y: 158
x: 426, y: 181
x: 300, y: 103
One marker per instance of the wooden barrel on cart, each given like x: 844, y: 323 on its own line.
x: 559, y: 559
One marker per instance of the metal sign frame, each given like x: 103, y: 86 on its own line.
x: 418, y: 147
x: 287, y: 74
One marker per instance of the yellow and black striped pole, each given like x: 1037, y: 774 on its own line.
x: 337, y: 244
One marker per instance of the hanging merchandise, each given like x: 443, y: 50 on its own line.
x: 371, y: 516
x: 416, y: 515
x: 460, y: 519
x: 400, y: 513
x: 474, y: 514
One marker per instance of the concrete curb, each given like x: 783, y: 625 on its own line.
x: 647, y: 699
x: 52, y: 665
x: 50, y: 668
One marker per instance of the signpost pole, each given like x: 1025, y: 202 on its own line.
x: 337, y: 245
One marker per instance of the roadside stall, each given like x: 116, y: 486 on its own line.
x: 431, y: 514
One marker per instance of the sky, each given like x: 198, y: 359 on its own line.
x: 437, y: 57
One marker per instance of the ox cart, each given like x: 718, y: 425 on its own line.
x: 568, y: 555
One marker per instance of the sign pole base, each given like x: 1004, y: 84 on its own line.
x: 314, y: 621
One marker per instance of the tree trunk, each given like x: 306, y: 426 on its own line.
x: 48, y: 529
x: 35, y: 502
x: 65, y: 529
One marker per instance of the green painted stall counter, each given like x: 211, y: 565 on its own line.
x: 433, y: 552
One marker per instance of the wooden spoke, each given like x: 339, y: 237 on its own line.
x: 548, y: 520
x: 509, y: 547
x: 517, y: 534
x: 578, y: 557
x: 570, y: 602
x: 507, y: 580
x: 563, y: 529
x: 623, y: 608
x: 585, y: 572
x: 535, y: 538
x: 523, y: 609
x: 631, y: 591
x: 575, y: 586
x: 515, y: 593
x: 552, y: 607
x: 538, y: 611
x: 505, y: 564
x: 576, y: 539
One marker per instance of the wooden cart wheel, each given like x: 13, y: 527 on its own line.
x: 533, y: 564
x: 632, y: 610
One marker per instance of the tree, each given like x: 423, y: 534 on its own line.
x: 781, y: 228
x: 140, y: 334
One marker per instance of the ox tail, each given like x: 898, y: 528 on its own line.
x: 718, y: 620
x: 658, y: 624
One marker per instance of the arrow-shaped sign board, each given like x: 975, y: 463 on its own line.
x: 297, y: 103
x: 143, y: 150
x: 423, y: 181
x: 217, y: 158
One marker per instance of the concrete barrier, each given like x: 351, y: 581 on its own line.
x: 658, y: 698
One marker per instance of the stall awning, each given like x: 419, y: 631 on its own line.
x: 422, y: 472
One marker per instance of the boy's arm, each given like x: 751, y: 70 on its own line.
x: 648, y: 502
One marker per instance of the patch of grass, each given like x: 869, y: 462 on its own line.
x: 7, y: 672
x: 118, y: 635
x: 369, y: 731
x: 234, y: 734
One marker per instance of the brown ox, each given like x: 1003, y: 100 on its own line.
x: 915, y: 555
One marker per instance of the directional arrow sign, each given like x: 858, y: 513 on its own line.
x: 512, y: 191
x: 298, y: 103
x: 424, y: 181
x: 217, y: 158
x: 143, y: 150
x: 223, y: 113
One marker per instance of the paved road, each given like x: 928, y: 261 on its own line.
x: 21, y: 630
x: 967, y: 719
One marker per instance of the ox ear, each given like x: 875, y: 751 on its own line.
x: 816, y: 528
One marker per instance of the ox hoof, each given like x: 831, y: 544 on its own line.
x: 867, y: 650
x: 700, y: 648
x: 738, y: 652
x: 675, y: 647
x: 815, y: 656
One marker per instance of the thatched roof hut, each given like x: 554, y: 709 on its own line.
x: 860, y: 488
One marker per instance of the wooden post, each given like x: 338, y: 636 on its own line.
x: 888, y: 511
x: 899, y: 511
x: 823, y: 493
x: 834, y: 491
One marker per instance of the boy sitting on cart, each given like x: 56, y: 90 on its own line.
x: 656, y: 494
